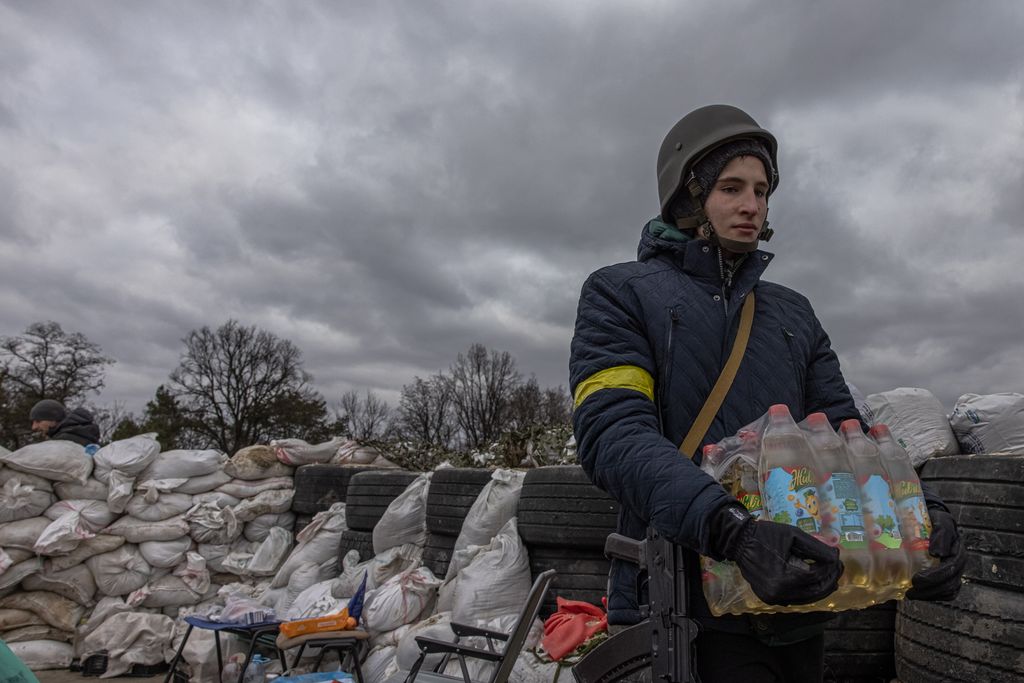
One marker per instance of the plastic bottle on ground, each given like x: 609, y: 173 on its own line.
x: 915, y: 524
x: 890, y: 575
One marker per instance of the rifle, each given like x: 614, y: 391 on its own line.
x: 664, y: 640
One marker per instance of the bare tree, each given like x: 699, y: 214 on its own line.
x: 44, y: 362
x: 240, y: 385
x: 425, y: 413
x: 365, y: 419
x: 482, y: 385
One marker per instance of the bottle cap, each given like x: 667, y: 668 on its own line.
x: 880, y: 430
x: 818, y: 419
x: 851, y: 426
x: 778, y: 410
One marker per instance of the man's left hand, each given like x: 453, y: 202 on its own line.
x: 941, y: 582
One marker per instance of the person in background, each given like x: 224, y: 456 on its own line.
x: 51, y: 420
x: 651, y: 339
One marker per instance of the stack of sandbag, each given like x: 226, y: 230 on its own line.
x: 917, y: 421
x: 992, y: 423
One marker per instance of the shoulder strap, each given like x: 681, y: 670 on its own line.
x: 714, y: 401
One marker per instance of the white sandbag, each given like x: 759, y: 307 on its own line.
x: 221, y: 500
x: 22, y: 533
x: 130, y: 456
x: 120, y: 486
x: 139, y: 531
x: 861, y: 403
x: 211, y: 524
x: 215, y: 553
x: 20, y: 501
x: 120, y: 572
x: 165, y: 553
x: 95, y: 514
x: 27, y: 479
x: 18, y: 618
x: 55, y: 610
x: 167, y: 485
x: 438, y: 626
x: 302, y: 578
x: 265, y: 503
x: 257, y: 462
x: 153, y: 506
x: 167, y: 591
x: 259, y: 527
x: 405, y: 520
x: 317, y: 543
x: 53, y: 460
x: 991, y: 423
x: 271, y: 553
x: 17, y: 555
x: 317, y: 601
x: 131, y: 638
x: 400, y: 600
x: 497, y: 503
x: 352, y: 453
x: 14, y: 574
x: 240, y: 488
x: 5, y: 561
x: 43, y: 655
x: 529, y: 668
x: 186, y: 464
x: 76, y: 583
x: 917, y: 421
x: 393, y: 637
x: 37, y: 632
x: 63, y: 535
x: 377, y: 662
x: 496, y: 582
x: 92, y: 489
x: 97, y: 545
x: 297, y: 452
x: 238, y: 558
x: 203, y: 484
x: 379, y: 569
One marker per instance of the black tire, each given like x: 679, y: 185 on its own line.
x: 582, y: 574
x: 370, y: 493
x: 859, y: 645
x: 560, y: 507
x: 301, y: 522
x: 977, y: 637
x: 437, y: 553
x: 453, y: 490
x: 985, y: 494
x: 361, y: 541
x: 318, y: 487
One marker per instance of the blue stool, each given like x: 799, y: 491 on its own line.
x: 264, y: 633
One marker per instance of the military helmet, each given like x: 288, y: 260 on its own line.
x: 696, y: 134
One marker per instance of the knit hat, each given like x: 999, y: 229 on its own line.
x: 47, y: 409
x: 710, y: 166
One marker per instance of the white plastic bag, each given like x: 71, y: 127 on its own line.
x: 992, y: 423
x: 494, y: 506
x: 917, y: 421
x: 405, y: 520
x: 53, y: 460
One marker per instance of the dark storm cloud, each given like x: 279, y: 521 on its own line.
x: 385, y: 184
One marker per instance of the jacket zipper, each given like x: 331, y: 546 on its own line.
x: 667, y: 374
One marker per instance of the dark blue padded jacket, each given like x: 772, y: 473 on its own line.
x: 651, y: 338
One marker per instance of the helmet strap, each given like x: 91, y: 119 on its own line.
x: 699, y: 221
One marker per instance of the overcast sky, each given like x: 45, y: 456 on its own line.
x: 387, y: 183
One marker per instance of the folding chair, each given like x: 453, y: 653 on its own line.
x: 342, y: 642
x: 504, y: 660
x: 264, y: 633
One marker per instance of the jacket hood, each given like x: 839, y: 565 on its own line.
x: 78, y: 426
x: 659, y: 236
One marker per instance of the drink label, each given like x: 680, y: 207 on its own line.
x: 842, y: 518
x: 790, y: 497
x: 752, y: 501
x: 880, y: 515
x: 914, y: 521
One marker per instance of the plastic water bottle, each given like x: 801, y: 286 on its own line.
x: 841, y: 514
x: 915, y: 523
x: 789, y: 478
x: 256, y: 672
x: 890, y: 574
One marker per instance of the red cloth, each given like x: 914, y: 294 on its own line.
x: 569, y: 627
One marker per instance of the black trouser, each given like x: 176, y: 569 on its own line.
x: 732, y: 658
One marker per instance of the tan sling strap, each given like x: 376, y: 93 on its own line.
x: 714, y: 401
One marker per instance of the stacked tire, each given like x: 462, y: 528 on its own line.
x: 564, y: 520
x: 453, y: 490
x: 980, y: 635
x: 368, y: 496
x: 318, y: 487
x: 859, y: 646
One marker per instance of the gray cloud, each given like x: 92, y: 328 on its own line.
x: 386, y: 184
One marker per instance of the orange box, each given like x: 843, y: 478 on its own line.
x: 329, y: 622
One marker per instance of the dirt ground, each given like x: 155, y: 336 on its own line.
x: 66, y: 676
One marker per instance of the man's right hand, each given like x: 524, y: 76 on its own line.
x: 782, y: 564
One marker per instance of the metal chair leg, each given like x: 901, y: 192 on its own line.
x: 177, y: 655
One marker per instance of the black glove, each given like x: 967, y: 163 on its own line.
x: 782, y: 564
x: 941, y: 582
